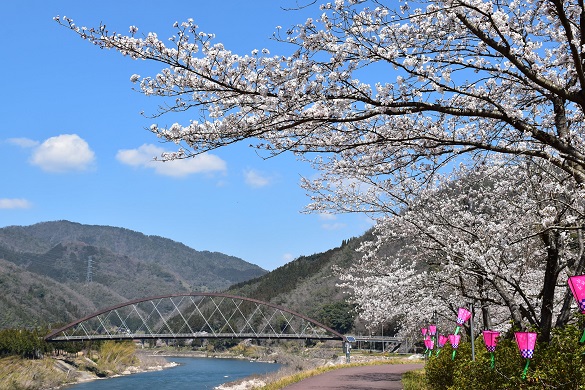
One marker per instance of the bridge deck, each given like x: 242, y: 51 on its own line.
x: 163, y: 336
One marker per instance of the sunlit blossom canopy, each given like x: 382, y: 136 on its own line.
x: 382, y: 99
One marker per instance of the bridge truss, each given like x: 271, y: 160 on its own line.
x: 194, y: 315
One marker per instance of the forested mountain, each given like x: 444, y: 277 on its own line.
x: 29, y: 299
x: 59, y: 271
x: 308, y: 285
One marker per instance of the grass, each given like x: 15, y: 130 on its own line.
x: 414, y: 380
x: 115, y: 357
x: 25, y: 374
x: 294, y: 378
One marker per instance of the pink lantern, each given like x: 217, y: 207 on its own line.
x: 577, y: 285
x: 433, y: 330
x: 429, y: 343
x: 526, y: 342
x: 442, y: 340
x: 462, y: 316
x: 490, y: 338
x: 454, y: 340
x: 423, y: 331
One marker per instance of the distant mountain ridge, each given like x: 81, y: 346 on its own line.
x: 121, y: 264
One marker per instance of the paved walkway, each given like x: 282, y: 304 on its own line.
x: 384, y: 376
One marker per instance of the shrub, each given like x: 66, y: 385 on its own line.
x: 115, y: 357
x: 559, y: 365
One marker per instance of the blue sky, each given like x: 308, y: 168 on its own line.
x: 73, y: 145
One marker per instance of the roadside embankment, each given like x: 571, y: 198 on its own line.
x: 306, y: 367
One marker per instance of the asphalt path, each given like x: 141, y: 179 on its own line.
x: 383, y: 376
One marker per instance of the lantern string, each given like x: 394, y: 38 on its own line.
x: 525, y: 369
x: 453, y: 355
x: 493, y: 362
x: 582, y: 337
x: 457, y: 329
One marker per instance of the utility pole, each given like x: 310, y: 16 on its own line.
x: 472, y: 337
x: 89, y: 277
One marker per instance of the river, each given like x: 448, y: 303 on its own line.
x: 192, y: 374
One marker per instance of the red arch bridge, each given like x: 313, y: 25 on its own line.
x: 201, y: 316
x: 194, y: 315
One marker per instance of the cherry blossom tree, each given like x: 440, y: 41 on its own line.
x: 452, y: 77
x: 502, y: 235
x: 381, y: 99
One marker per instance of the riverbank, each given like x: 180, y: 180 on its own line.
x: 56, y: 372
x: 118, y: 360
x: 82, y: 369
x: 112, y: 360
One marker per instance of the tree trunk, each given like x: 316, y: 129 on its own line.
x: 514, y: 308
x: 550, y: 239
x: 485, y: 312
x: 576, y: 269
x: 485, y: 315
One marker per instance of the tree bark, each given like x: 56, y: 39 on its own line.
x: 576, y: 269
x: 485, y: 314
x: 550, y: 239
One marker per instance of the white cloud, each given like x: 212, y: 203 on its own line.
x: 65, y: 152
x: 23, y: 142
x: 7, y: 203
x: 144, y: 157
x: 256, y: 179
x: 288, y: 257
x: 327, y: 216
x: 333, y: 226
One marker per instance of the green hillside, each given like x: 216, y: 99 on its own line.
x: 29, y: 299
x: 59, y: 271
x: 308, y: 285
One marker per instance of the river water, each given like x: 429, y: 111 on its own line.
x: 192, y: 374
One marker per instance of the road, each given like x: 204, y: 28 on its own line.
x: 385, y: 376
